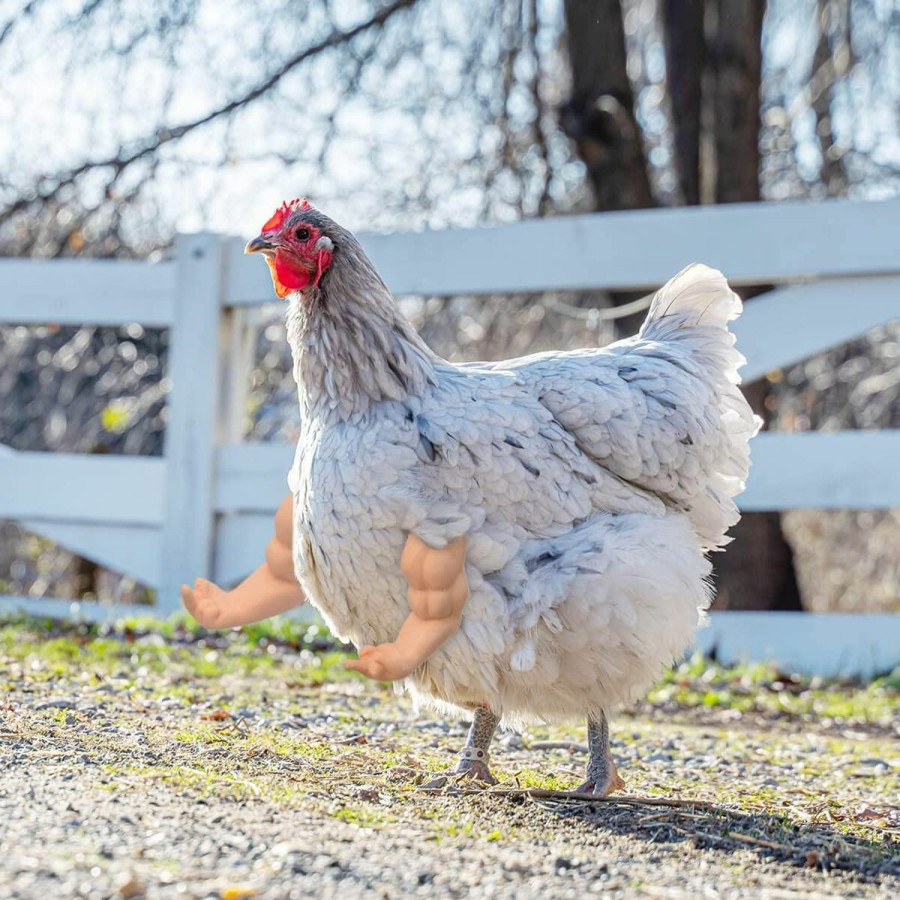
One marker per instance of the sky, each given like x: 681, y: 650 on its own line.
x: 402, y: 143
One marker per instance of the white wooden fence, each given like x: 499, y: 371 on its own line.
x: 205, y: 507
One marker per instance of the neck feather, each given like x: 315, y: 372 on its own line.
x: 352, y: 346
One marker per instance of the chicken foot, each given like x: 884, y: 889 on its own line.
x: 474, y: 758
x: 438, y: 591
x: 271, y: 589
x: 602, y: 776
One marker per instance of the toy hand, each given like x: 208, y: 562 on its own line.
x: 382, y: 663
x: 203, y: 602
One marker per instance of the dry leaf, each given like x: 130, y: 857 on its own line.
x: 866, y: 812
x: 237, y: 893
x: 131, y: 890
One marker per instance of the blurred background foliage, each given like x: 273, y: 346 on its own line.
x: 125, y: 122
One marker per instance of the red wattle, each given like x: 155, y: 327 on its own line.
x: 291, y: 273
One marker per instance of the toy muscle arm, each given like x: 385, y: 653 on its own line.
x: 438, y: 591
x: 269, y: 590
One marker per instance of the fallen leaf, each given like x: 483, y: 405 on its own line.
x: 131, y: 890
x: 866, y: 812
x: 237, y: 893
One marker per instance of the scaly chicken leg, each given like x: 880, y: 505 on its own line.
x: 438, y: 591
x: 271, y: 589
x: 602, y: 776
x: 474, y: 758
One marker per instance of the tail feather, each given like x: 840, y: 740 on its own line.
x: 694, y: 309
x: 697, y: 295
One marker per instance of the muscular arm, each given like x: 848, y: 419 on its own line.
x: 438, y: 591
x: 269, y: 590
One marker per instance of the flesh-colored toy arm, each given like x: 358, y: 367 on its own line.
x: 438, y: 591
x: 269, y: 590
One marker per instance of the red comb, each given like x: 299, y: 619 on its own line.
x: 284, y: 211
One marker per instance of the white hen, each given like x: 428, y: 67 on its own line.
x: 590, y: 485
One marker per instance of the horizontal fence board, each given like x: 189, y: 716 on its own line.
x: 824, y: 470
x: 87, y: 292
x: 792, y: 323
x: 252, y: 477
x: 799, y: 470
x: 76, y: 610
x: 750, y: 243
x: 826, y: 644
x: 74, y: 487
x: 133, y: 550
x: 93, y: 611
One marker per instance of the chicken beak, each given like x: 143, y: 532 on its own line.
x: 260, y: 245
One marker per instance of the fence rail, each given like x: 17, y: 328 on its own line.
x: 205, y: 507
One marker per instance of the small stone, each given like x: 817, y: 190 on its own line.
x: 61, y: 703
x: 658, y: 757
x: 131, y: 890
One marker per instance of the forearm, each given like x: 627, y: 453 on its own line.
x: 259, y: 596
x: 419, y: 638
x: 272, y: 589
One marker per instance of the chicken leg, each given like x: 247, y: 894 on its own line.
x: 474, y: 759
x: 602, y: 776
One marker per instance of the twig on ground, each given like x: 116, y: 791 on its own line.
x: 558, y: 745
x: 136, y: 703
x: 562, y: 796
x: 748, y: 839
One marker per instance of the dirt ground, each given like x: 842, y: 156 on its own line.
x: 172, y: 764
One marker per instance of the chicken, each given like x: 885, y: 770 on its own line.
x: 588, y: 487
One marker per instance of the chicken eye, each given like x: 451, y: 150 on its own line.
x: 302, y: 234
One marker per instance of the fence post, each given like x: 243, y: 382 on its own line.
x: 190, y: 438
x: 239, y: 331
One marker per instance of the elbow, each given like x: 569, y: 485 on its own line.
x: 280, y: 561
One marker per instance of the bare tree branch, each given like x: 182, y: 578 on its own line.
x: 165, y: 136
x: 540, y: 133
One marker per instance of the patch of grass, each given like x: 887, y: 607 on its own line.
x: 48, y: 656
x: 534, y: 778
x: 761, y: 688
x: 364, y: 816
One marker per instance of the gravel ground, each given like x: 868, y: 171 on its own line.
x: 151, y: 766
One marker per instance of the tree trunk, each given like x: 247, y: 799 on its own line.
x: 736, y: 57
x: 685, y: 55
x: 757, y: 571
x: 599, y: 117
